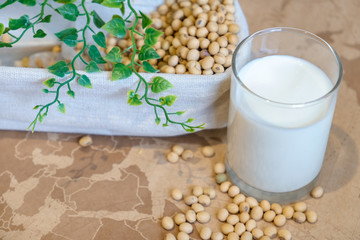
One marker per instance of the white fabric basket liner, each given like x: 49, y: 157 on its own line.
x: 104, y: 109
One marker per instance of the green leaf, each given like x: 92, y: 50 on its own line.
x: 69, y: 11
x: 97, y: 1
x: 46, y: 19
x: 39, y: 34
x: 147, y: 53
x: 122, y: 8
x: 148, y: 68
x: 151, y: 36
x: 68, y: 36
x: 179, y: 113
x: 168, y: 100
x: 41, y: 118
x: 8, y: 2
x: 61, y: 108
x: 146, y: 21
x: 120, y: 71
x: 160, y: 84
x: 71, y: 93
x: 116, y: 16
x: 92, y: 67
x: 37, y: 106
x: 84, y: 81
x: 50, y: 82
x: 4, y: 44
x: 59, y: 69
x: 65, y: 1
x: 116, y: 27
x: 97, y: 19
x: 45, y: 90
x: 133, y: 98
x: 66, y: 32
x: 1, y: 28
x: 114, y: 55
x: 99, y: 38
x: 6, y: 30
x: 22, y: 22
x: 112, y: 3
x: 189, y: 120
x: 29, y: 3
x: 95, y: 55
x: 157, y: 121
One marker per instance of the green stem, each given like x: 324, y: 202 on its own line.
x: 83, y: 60
x: 126, y: 50
x: 13, y: 36
x: 127, y: 18
x: 139, y: 33
x: 91, y: 30
x: 146, y: 84
x: 32, y: 25
x: 137, y: 87
x: 74, y: 73
x: 50, y: 6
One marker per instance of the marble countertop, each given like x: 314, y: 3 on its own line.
x: 119, y: 187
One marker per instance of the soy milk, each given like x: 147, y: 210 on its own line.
x: 270, y: 114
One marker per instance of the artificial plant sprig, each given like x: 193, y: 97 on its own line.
x: 24, y: 22
x: 118, y: 27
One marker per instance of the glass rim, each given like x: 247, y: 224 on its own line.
x: 289, y: 29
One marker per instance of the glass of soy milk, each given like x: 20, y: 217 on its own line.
x: 283, y: 94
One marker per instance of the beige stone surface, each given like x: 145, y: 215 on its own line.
x: 119, y: 187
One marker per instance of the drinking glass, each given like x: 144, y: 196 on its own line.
x: 275, y: 148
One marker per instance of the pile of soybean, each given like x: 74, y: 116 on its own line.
x: 240, y: 217
x: 199, y: 37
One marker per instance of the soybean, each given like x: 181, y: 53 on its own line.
x: 246, y: 236
x: 217, y: 236
x: 288, y: 212
x: 311, y: 216
x: 270, y: 231
x: 208, y: 151
x: 224, y: 187
x: 203, y: 217
x: 205, y: 233
x: 183, y: 236
x: 233, y: 191
x: 172, y: 157
x: 85, y: 141
x: 187, y: 154
x: 284, y: 234
x: 280, y: 220
x: 169, y: 236
x: 190, y: 216
x: 299, y: 217
x: 179, y: 218
x: 186, y: 227
x: 256, y: 213
x: 317, y: 192
x: 176, y: 194
x: 167, y: 223
x: 300, y: 207
x: 227, y: 228
x: 222, y: 214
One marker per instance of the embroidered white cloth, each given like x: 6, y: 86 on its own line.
x: 104, y: 109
